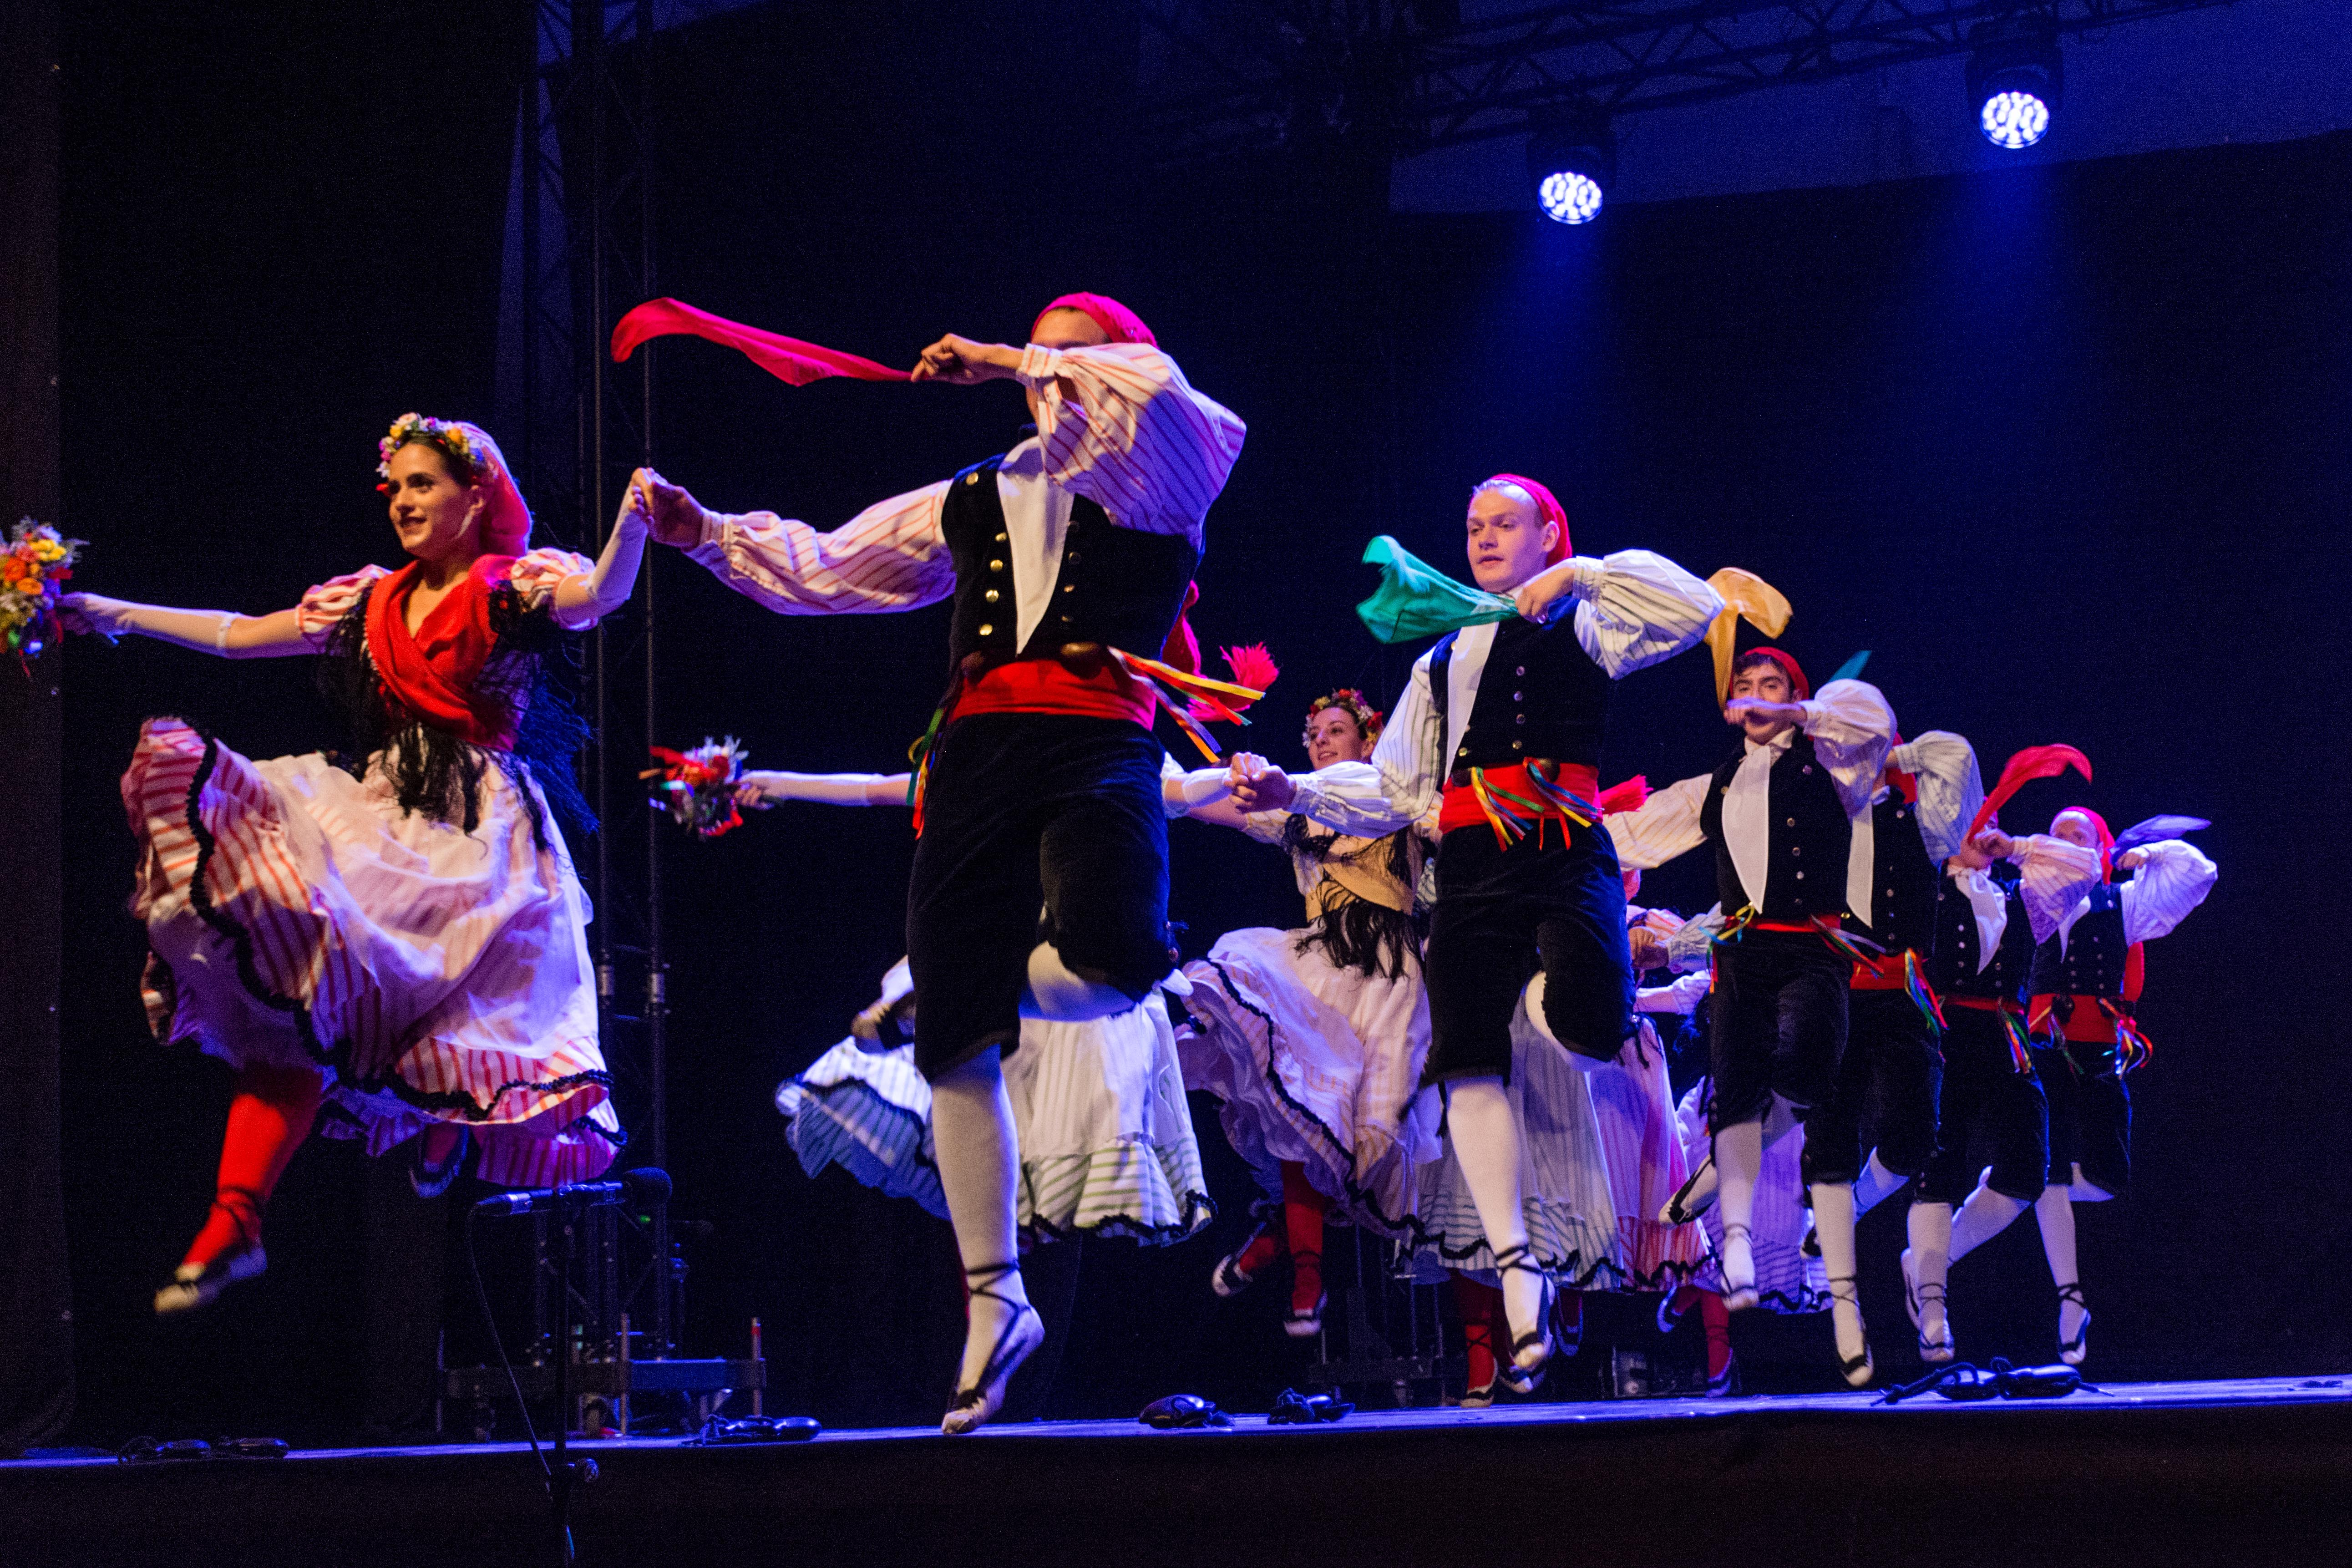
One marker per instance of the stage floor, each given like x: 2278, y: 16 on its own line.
x: 2248, y: 1471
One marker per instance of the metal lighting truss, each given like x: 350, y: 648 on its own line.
x: 1223, y: 78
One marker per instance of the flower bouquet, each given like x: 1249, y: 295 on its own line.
x: 698, y: 787
x: 37, y: 559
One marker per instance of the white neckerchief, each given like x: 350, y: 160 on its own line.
x: 1991, y: 907
x: 1862, y: 857
x: 1036, y: 521
x: 1748, y: 815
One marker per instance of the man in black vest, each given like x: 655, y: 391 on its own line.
x: 2082, y: 991
x: 1779, y: 814
x: 1501, y: 730
x: 1983, y: 950
x: 1066, y: 558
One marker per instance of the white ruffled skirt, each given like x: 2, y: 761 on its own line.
x: 296, y: 917
x: 1634, y: 1107
x: 1318, y: 1065
x: 1104, y: 1133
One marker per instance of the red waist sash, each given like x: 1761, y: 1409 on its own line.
x: 1460, y: 806
x: 1884, y: 972
x: 2086, y: 1022
x: 1986, y: 1004
x: 1105, y: 690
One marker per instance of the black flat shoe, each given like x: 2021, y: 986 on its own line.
x: 2072, y: 1351
x: 1295, y: 1409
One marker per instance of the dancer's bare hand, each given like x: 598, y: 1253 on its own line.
x: 670, y: 514
x: 2131, y: 859
x: 93, y: 615
x: 1738, y: 712
x: 1648, y: 950
x: 1994, y: 845
x: 1537, y: 595
x: 962, y: 361
x: 1259, y: 785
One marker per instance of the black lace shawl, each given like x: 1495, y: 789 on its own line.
x: 432, y: 771
x: 1353, y: 933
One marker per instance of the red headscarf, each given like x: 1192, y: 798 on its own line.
x: 1118, y: 324
x: 1799, y: 688
x: 1548, y: 510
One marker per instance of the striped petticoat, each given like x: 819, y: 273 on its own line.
x: 1318, y: 1065
x: 1564, y: 1194
x: 438, y: 976
x: 1634, y: 1105
x: 1786, y: 1279
x: 1098, y: 1109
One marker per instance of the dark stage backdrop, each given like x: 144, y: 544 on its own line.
x: 2065, y: 448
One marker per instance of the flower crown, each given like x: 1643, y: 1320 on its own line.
x: 447, y: 436
x: 1350, y: 702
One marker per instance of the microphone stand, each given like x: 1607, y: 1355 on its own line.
x: 563, y: 1472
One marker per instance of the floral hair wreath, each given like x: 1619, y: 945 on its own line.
x: 1350, y: 702
x: 447, y: 436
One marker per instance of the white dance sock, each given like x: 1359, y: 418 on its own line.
x: 2054, y: 1209
x: 1054, y: 992
x: 1833, y: 1223
x: 1874, y: 1185
x: 1738, y: 1160
x: 1926, y: 1269
x: 980, y: 1162
x: 2085, y: 1190
x: 1485, y: 1135
x: 1985, y: 1215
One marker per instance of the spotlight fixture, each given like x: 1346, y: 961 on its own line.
x: 1571, y: 159
x: 2016, y: 78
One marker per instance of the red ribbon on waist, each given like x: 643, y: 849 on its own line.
x: 1531, y: 798
x: 1986, y: 1004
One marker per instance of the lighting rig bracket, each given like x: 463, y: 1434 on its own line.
x: 1222, y: 78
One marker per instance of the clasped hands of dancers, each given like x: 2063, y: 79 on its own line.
x: 389, y: 943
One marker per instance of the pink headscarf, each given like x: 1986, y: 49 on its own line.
x: 1548, y: 508
x: 505, y: 522
x: 1118, y: 324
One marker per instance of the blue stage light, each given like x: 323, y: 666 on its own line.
x: 1570, y: 160
x: 1567, y: 196
x: 2014, y: 118
x: 2015, y: 79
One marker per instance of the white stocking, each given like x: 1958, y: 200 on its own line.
x: 1738, y: 1160
x: 1833, y: 1223
x: 1054, y: 992
x: 971, y: 1126
x: 1985, y: 1215
x: 1485, y: 1133
x: 1926, y: 1266
x: 2055, y: 1211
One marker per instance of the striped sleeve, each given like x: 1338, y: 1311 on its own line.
x: 1662, y: 828
x: 891, y: 556
x: 330, y: 600
x: 1951, y: 787
x: 1120, y: 426
x: 1851, y: 728
x: 2173, y: 879
x: 538, y: 573
x: 2056, y: 876
x: 1636, y: 607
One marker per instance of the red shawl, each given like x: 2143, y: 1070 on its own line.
x: 432, y: 675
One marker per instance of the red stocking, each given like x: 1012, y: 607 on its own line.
x: 268, y: 1119
x: 1717, y: 1317
x: 1302, y: 1223
x: 1480, y: 1305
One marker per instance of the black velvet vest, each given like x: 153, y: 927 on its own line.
x: 1810, y: 838
x: 1952, y: 965
x: 1118, y: 586
x: 1902, y: 880
x: 2095, y: 955
x: 1540, y: 695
